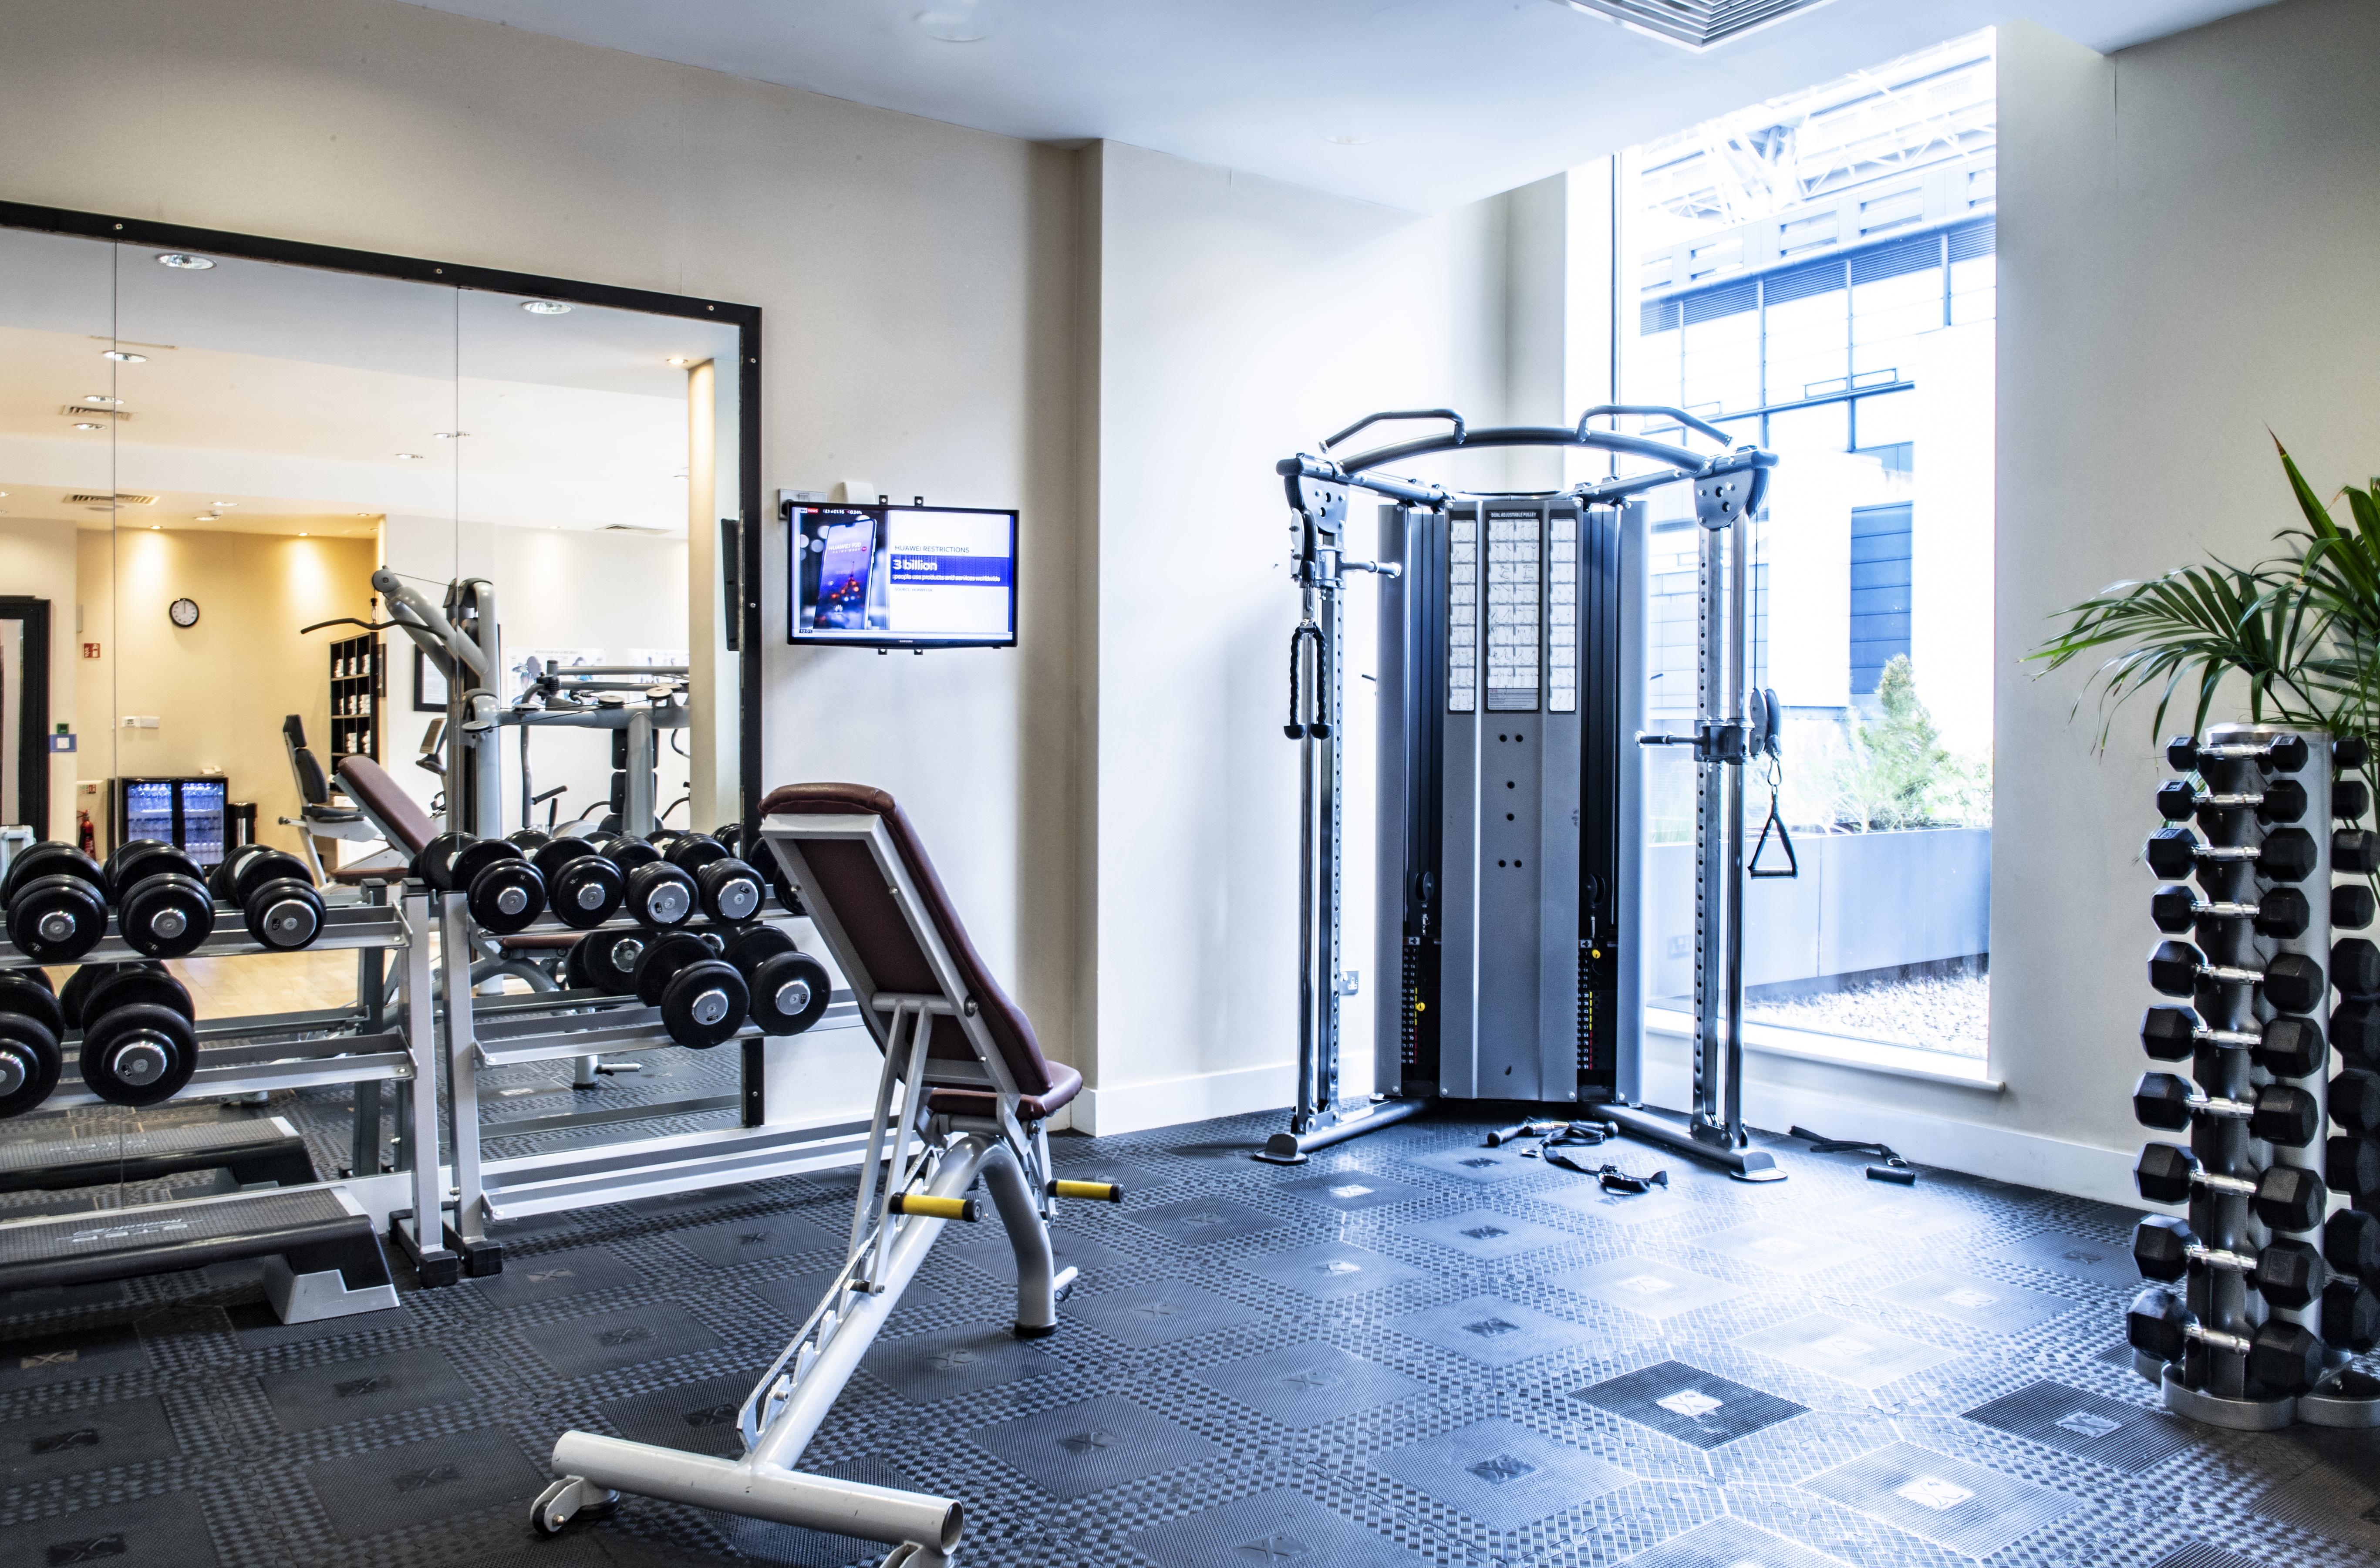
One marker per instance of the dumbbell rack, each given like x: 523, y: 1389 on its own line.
x: 302, y: 1050
x: 2213, y: 1382
x: 479, y: 1033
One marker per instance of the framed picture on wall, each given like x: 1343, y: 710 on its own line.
x: 429, y: 686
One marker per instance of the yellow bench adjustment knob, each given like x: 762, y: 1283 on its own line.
x: 933, y: 1208
x: 1103, y: 1192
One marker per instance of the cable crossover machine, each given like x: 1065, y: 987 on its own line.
x: 1512, y: 672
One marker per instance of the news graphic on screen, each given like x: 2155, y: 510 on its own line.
x: 904, y: 577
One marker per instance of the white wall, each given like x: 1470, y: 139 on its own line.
x: 1237, y: 321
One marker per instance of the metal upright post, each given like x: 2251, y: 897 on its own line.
x: 425, y: 1241
x: 1736, y: 688
x: 468, y: 1235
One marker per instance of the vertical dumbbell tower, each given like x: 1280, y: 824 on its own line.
x: 2261, y: 850
x: 2347, y: 1313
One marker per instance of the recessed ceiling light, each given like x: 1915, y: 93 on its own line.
x: 449, y: 435
x: 122, y: 358
x: 956, y: 21
x: 223, y: 503
x: 301, y: 533
x: 677, y: 360
x: 99, y: 398
x: 545, y: 306
x: 86, y: 424
x: 409, y: 456
x: 183, y: 261
x: 210, y: 516
x: 154, y: 526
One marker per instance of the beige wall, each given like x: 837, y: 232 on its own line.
x: 220, y: 688
x: 37, y: 559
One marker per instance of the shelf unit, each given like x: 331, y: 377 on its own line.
x: 358, y: 684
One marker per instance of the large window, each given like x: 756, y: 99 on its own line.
x: 1817, y: 273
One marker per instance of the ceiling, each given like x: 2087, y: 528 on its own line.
x: 1415, y: 103
x: 278, y: 399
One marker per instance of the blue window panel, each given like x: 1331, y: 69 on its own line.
x: 1733, y: 301
x: 1975, y: 241
x: 1889, y: 600
x: 1657, y: 315
x: 1882, y: 629
x: 1804, y: 283
x: 1878, y: 574
x: 1881, y: 547
x: 1869, y: 520
x: 1897, y: 260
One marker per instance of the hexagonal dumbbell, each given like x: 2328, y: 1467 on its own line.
x: 2281, y: 800
x: 2351, y: 1311
x: 2289, y: 1273
x: 2355, y: 1031
x: 2282, y: 1354
x: 2354, y: 1098
x: 2352, y: 907
x: 2285, y: 1046
x: 2282, y: 912
x: 57, y: 903
x: 2288, y: 855
x: 2351, y: 1165
x: 2351, y: 1315
x: 2285, y: 1197
x: 2355, y: 967
x: 2278, y: 1114
x: 2282, y: 754
x: 2291, y: 981
x: 2355, y: 852
x: 2351, y: 799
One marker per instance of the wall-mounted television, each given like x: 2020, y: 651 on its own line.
x: 903, y: 577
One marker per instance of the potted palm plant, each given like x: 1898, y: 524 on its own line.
x: 2300, y: 630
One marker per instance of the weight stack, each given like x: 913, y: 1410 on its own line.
x: 2348, y: 1315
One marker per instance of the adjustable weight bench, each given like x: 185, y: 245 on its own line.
x: 963, y: 1093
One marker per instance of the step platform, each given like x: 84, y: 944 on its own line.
x: 252, y: 1151
x: 322, y: 1258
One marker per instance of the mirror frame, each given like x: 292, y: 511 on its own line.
x: 495, y: 280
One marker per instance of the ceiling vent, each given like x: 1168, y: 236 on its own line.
x: 121, y: 498
x: 631, y: 527
x: 1693, y: 24
x: 94, y: 411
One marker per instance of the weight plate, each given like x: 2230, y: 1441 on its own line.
x: 505, y: 895
x: 476, y: 856
x: 77, y: 987
x: 49, y: 859
x: 730, y: 836
x: 705, y: 1003
x: 660, y: 895
x: 143, y: 985
x: 267, y: 865
x: 585, y: 892
x: 223, y: 881
x: 131, y: 867
x: 138, y: 1055
x: 56, y: 920
x: 755, y: 943
x: 551, y: 856
x: 25, y: 997
x: 574, y: 965
x: 431, y: 865
x: 789, y: 993
x: 528, y: 841
x: 730, y: 890
x: 610, y: 958
x: 284, y: 914
x: 663, y: 957
x: 29, y: 1063
x: 111, y: 869
x: 167, y: 914
x: 691, y: 852
x: 630, y: 853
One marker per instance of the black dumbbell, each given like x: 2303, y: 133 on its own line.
x: 2355, y: 967
x: 140, y: 1040
x: 2351, y: 1165
x: 2352, y: 906
x: 2289, y: 1273
x: 275, y: 895
x: 528, y: 841
x: 690, y: 852
x: 163, y: 907
x: 2288, y: 855
x: 2351, y: 1315
x: 2355, y: 852
x: 57, y: 902
x: 2282, y: 754
x: 2278, y: 1114
x: 2282, y: 1355
x: 606, y: 961
x: 2350, y: 751
x: 2354, y: 1101
x: 500, y: 887
x: 702, y: 998
x: 731, y: 835
x: 790, y: 989
x: 2355, y: 1031
x: 2293, y: 981
x: 2286, y: 1046
x: 660, y: 895
x: 2349, y: 799
x: 729, y: 891
x: 2351, y: 1244
x: 2285, y: 1197
x: 2282, y: 912
x: 30, y: 1028
x: 627, y: 852
x: 2281, y: 800
x: 581, y: 887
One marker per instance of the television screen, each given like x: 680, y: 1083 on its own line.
x: 904, y: 577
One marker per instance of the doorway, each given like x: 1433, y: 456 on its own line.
x: 25, y: 712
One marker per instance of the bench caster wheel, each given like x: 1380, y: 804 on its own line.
x: 565, y: 1499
